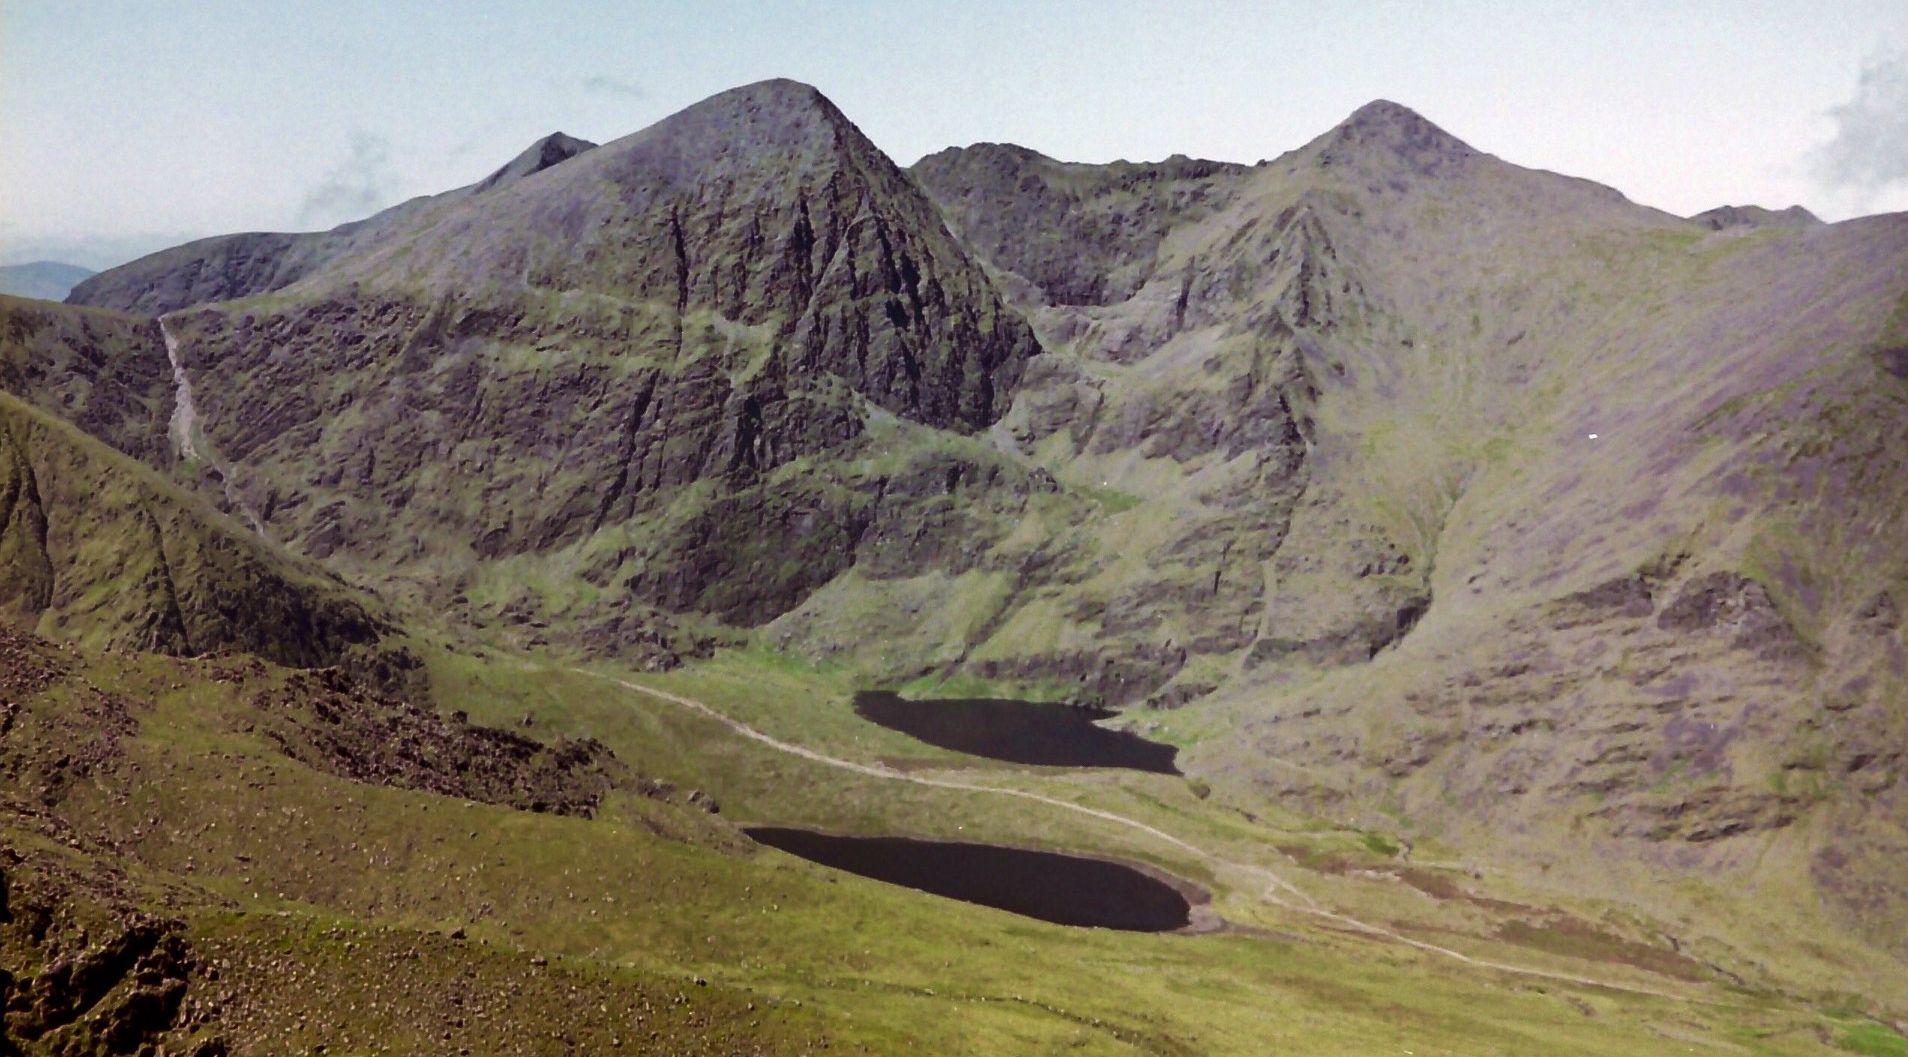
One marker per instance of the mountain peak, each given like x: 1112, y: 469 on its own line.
x: 785, y: 88
x: 1723, y: 217
x: 1392, y: 129
x: 779, y: 123
x: 741, y: 123
x: 775, y: 96
x: 552, y: 149
x: 48, y: 280
x: 1383, y: 111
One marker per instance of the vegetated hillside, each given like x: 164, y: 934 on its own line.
x: 99, y: 549
x: 217, y: 855
x: 1380, y: 319
x: 48, y: 280
x: 230, y: 266
x: 133, y: 859
x: 105, y: 372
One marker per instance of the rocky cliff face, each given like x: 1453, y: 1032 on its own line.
x: 1641, y: 471
x: 692, y: 329
x: 1478, y: 496
x: 100, y: 543
x: 1190, y: 313
x: 1095, y: 229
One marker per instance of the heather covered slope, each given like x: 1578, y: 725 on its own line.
x: 103, y: 545
x: 184, y: 860
x: 185, y: 847
x: 1675, y: 638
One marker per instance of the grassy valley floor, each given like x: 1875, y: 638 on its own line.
x: 366, y: 917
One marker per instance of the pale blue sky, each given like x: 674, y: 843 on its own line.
x: 129, y: 124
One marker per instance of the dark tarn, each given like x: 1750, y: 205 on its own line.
x: 1063, y: 889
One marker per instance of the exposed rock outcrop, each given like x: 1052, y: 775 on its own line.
x: 329, y: 722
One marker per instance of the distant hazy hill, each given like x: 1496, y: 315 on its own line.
x: 49, y: 280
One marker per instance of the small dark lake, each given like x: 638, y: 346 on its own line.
x: 1051, y: 735
x: 1063, y: 889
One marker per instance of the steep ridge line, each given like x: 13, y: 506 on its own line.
x: 1274, y: 883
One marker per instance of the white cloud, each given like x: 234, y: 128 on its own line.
x: 355, y: 188
x: 1869, y: 153
x: 606, y: 85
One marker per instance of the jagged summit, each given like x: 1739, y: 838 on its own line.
x: 1384, y: 128
x: 1094, y: 252
x: 1173, y: 166
x: 1723, y: 217
x: 987, y: 149
x: 553, y: 149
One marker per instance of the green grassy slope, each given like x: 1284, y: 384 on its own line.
x: 653, y: 925
x: 101, y: 550
x: 104, y: 371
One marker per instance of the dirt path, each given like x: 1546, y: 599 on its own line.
x: 1278, y: 891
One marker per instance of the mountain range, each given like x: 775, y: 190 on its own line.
x: 1488, y: 543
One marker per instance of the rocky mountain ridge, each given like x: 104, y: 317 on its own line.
x: 1514, y: 390
x: 1724, y: 217
x: 226, y: 267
